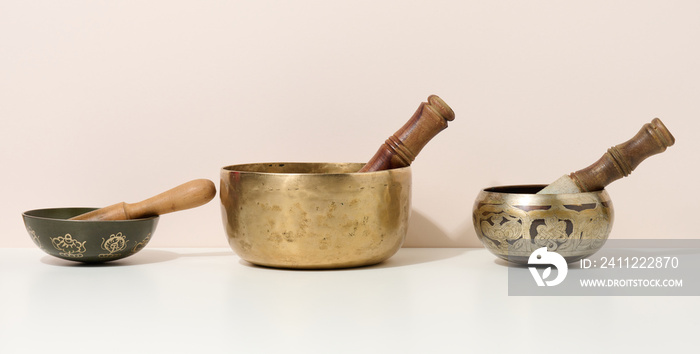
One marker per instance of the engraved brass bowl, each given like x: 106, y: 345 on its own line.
x: 314, y: 215
x: 87, y: 241
x: 514, y: 221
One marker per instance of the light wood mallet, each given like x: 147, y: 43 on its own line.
x: 185, y: 196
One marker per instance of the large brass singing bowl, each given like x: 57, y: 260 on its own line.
x: 314, y: 215
x: 514, y: 221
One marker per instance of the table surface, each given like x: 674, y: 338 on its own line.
x: 451, y: 300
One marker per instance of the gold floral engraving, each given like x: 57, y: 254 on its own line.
x: 140, y: 245
x: 592, y: 231
x: 572, y: 230
x: 551, y: 234
x: 115, y: 243
x: 68, y: 246
x: 502, y: 228
x: 35, y: 238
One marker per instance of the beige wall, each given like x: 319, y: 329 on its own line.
x: 116, y: 101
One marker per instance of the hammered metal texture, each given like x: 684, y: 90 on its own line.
x: 514, y: 221
x: 314, y: 215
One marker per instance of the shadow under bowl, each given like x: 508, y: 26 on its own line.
x: 513, y: 221
x: 314, y: 215
x: 87, y: 241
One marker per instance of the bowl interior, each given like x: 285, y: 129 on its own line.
x: 517, y: 189
x: 297, y: 168
x: 57, y: 213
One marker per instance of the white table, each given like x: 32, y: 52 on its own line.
x: 419, y: 301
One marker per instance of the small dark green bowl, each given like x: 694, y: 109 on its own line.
x: 87, y: 241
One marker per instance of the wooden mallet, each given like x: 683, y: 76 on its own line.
x: 185, y: 196
x: 402, y: 148
x: 619, y: 161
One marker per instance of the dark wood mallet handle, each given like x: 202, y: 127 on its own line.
x: 620, y: 160
x: 403, y: 147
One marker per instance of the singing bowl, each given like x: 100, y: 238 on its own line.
x: 87, y: 241
x: 314, y: 215
x: 514, y: 221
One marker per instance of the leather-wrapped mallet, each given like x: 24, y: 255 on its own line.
x: 619, y: 161
x: 185, y: 196
x: 402, y: 148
